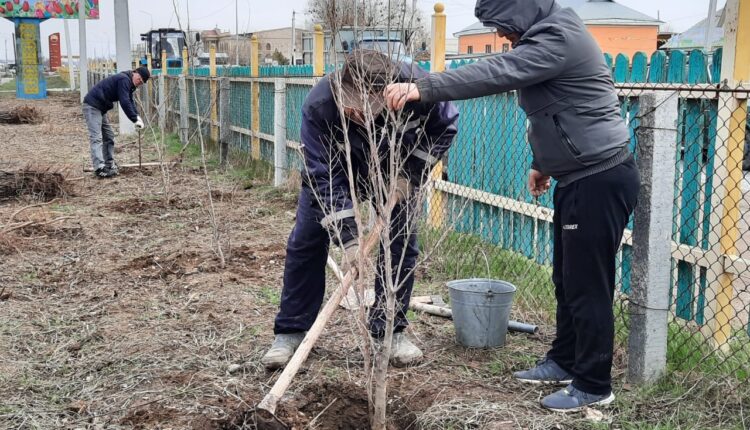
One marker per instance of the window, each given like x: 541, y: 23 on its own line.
x: 506, y: 47
x: 470, y: 49
x: 488, y: 49
x: 268, y: 46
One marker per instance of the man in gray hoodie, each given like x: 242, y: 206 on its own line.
x: 577, y: 137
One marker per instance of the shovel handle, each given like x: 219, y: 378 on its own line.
x: 140, y: 160
x: 271, y: 399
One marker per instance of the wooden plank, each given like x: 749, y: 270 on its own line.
x: 657, y: 71
x: 622, y: 68
x: 685, y: 91
x: 608, y: 60
x: 691, y: 194
x: 639, y: 68
x: 692, y: 254
x: 716, y: 66
x: 512, y: 205
x: 676, y: 67
x: 711, y: 114
x: 690, y: 198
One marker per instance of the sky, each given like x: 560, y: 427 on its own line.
x: 254, y: 15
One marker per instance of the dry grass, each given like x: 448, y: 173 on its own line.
x: 119, y: 316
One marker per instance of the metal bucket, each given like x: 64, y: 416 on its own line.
x: 481, y: 309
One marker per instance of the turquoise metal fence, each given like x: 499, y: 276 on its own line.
x: 486, y: 169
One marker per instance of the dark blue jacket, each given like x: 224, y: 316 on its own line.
x: 427, y: 132
x: 116, y: 88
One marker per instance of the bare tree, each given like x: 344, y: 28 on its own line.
x: 336, y: 14
x: 388, y: 152
x: 217, y: 238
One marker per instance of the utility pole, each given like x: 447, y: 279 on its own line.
x: 710, y: 23
x: 236, y: 33
x: 71, y: 74
x: 122, y: 51
x: 294, y: 38
x: 83, y: 66
x: 15, y: 51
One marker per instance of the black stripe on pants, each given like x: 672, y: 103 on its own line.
x: 590, y: 216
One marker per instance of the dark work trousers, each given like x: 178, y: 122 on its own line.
x: 304, y: 270
x: 590, y: 216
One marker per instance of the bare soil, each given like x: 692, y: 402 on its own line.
x: 120, y: 315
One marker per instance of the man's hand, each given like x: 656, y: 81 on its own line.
x: 538, y: 183
x: 139, y: 123
x: 397, y: 95
x: 404, y: 189
x: 351, y: 249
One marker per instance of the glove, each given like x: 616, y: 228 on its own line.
x: 139, y: 123
x: 351, y: 249
x: 404, y: 188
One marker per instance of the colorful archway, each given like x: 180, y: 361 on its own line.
x: 27, y: 15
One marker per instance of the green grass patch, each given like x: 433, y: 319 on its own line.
x: 56, y: 82
x: 451, y: 256
x: 676, y: 402
x: 53, y: 82
x: 241, y: 167
x: 690, y: 350
x: 703, y: 389
x: 8, y: 86
x: 271, y: 295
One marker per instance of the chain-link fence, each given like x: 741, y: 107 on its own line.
x: 495, y: 228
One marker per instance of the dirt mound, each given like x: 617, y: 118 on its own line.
x: 138, y: 205
x: 21, y: 115
x: 176, y: 264
x: 51, y: 232
x: 248, y: 259
x: 335, y: 405
x: 42, y: 182
x: 149, y: 417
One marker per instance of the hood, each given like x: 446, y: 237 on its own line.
x: 513, y: 16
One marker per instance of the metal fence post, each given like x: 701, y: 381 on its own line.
x: 184, y: 120
x: 319, y: 67
x: 652, y: 241
x: 185, y: 66
x: 255, y: 98
x: 162, y: 107
x: 214, y: 132
x: 149, y: 90
x: 279, y: 147
x: 435, y: 198
x: 224, y: 130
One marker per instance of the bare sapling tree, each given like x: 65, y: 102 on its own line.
x: 217, y: 233
x: 158, y: 138
x: 384, y: 142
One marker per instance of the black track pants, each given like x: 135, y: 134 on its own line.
x: 590, y: 216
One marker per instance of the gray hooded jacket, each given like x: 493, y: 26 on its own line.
x: 564, y: 84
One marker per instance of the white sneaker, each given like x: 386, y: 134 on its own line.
x: 403, y: 351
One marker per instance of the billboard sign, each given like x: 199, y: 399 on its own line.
x: 45, y: 9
